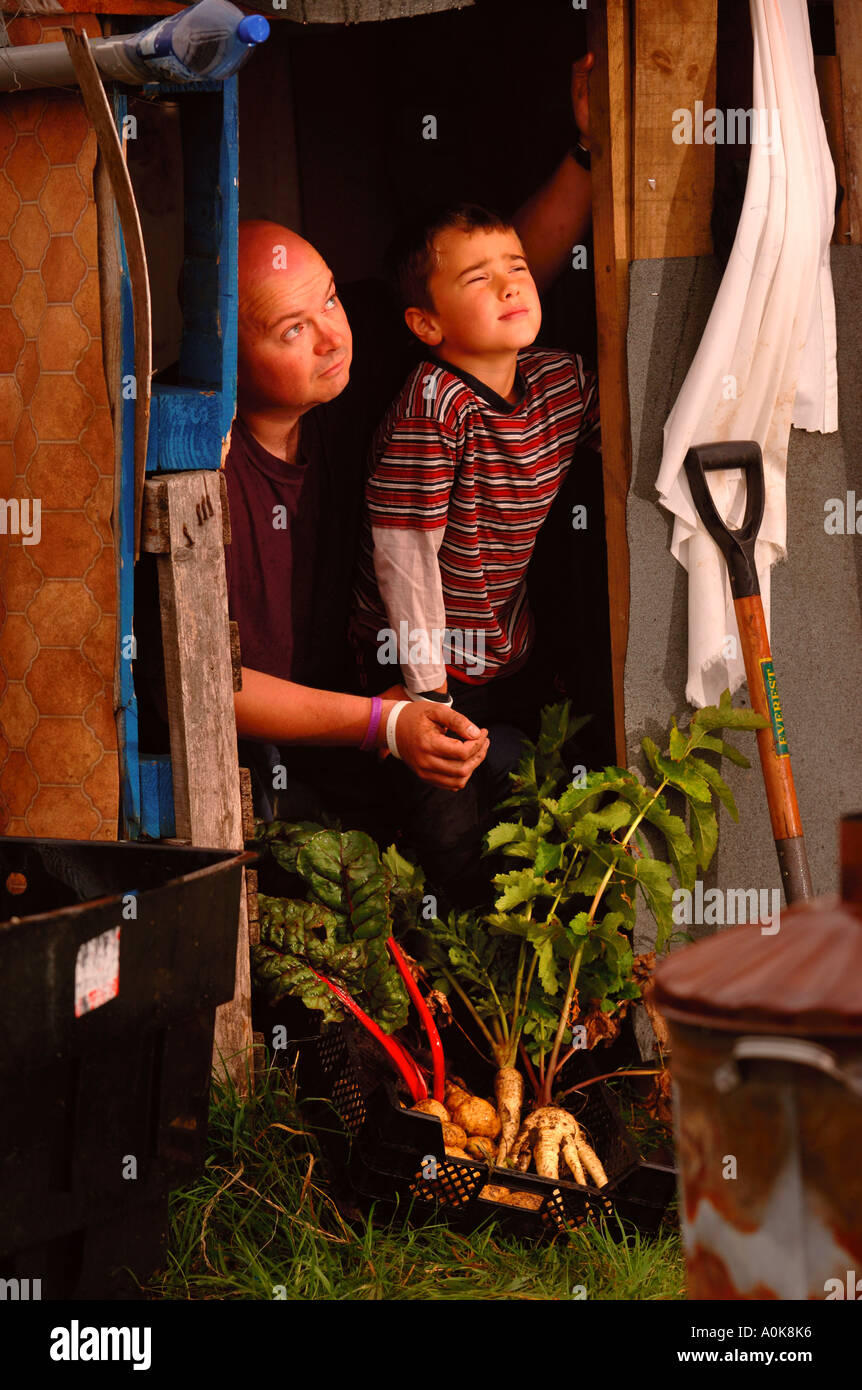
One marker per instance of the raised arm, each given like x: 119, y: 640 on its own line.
x: 277, y: 711
x: 408, y: 576
x: 408, y: 495
x: 557, y: 216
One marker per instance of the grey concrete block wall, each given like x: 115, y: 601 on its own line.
x: 816, y: 624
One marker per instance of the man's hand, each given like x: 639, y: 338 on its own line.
x: 581, y: 95
x: 424, y: 747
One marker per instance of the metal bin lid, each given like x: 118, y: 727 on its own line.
x: 804, y: 979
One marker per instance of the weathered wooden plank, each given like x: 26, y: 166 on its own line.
x: 610, y: 144
x: 247, y: 803
x: 675, y: 49
x: 848, y: 44
x: 251, y: 894
x: 232, y: 1042
x: 182, y: 525
x: 193, y: 599
x: 111, y: 151
x: 235, y: 656
x: 253, y: 907
x: 225, y: 509
x: 353, y: 11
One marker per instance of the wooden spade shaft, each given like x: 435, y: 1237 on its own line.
x: 773, y: 748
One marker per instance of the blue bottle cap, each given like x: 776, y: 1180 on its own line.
x: 252, y: 28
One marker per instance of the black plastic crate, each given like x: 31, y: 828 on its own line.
x: 398, y: 1155
x: 100, y: 1083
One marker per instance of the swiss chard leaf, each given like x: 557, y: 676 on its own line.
x: 340, y: 932
x: 284, y: 840
x: 344, y: 872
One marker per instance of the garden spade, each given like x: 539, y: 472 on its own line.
x: 737, y: 547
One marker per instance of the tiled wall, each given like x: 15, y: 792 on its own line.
x: 58, y: 758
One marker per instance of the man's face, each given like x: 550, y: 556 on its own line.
x: 295, y: 345
x: 485, y: 299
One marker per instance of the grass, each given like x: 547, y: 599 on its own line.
x: 262, y: 1222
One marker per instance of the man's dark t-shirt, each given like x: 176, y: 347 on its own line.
x: 294, y: 527
x: 275, y: 525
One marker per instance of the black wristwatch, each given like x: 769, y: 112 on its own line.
x: 580, y: 154
x: 436, y: 696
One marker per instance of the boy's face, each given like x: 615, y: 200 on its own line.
x: 485, y: 300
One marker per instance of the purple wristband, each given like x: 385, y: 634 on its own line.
x: 370, y: 738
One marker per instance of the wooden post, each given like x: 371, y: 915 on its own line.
x: 672, y: 183
x: 182, y: 525
x: 848, y: 42
x: 828, y: 74
x: 609, y: 140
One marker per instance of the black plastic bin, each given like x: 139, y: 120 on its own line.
x: 387, y: 1155
x: 114, y: 958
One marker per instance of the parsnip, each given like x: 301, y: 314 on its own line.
x: 592, y: 1163
x: 549, y: 1133
x: 509, y: 1090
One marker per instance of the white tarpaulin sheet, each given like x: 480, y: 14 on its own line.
x: 767, y: 356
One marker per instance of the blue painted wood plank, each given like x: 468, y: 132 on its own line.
x: 187, y: 431
x: 190, y: 421
x: 157, y: 797
x: 127, y: 713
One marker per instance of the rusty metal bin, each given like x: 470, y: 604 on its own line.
x: 766, y: 1061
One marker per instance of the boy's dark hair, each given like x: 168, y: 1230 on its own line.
x: 412, y: 259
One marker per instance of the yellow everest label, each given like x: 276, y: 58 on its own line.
x: 771, y: 688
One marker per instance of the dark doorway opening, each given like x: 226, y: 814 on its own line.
x: 336, y: 142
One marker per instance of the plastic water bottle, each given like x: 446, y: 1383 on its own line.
x: 210, y: 40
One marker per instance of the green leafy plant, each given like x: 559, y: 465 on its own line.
x: 560, y: 928
x: 339, y: 929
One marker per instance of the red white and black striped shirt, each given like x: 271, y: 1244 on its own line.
x: 458, y: 471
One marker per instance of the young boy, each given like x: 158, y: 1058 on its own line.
x: 465, y: 467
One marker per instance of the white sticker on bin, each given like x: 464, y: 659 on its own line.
x: 97, y: 971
